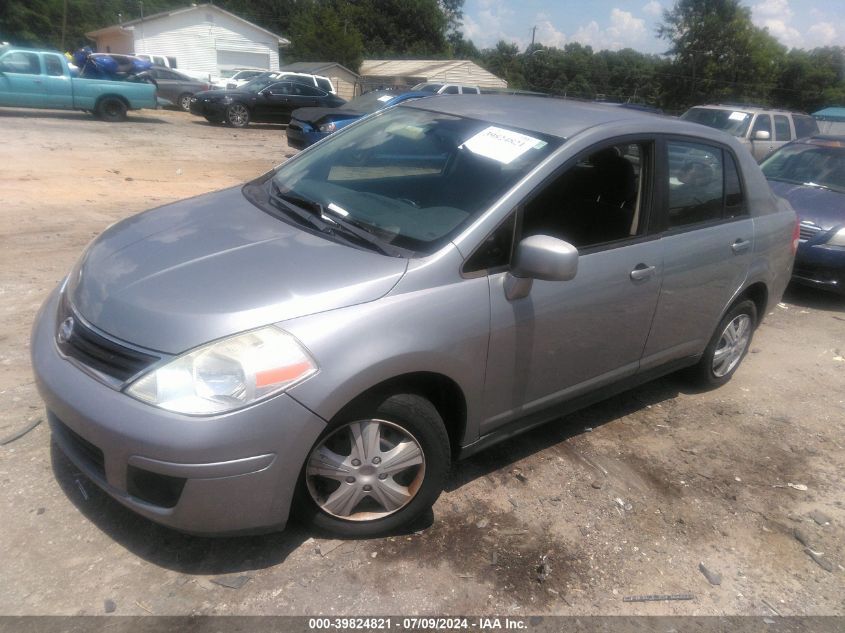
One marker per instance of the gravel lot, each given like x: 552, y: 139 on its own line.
x: 624, y: 498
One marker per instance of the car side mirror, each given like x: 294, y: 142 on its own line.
x: 762, y: 135
x: 540, y: 257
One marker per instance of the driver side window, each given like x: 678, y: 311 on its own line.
x: 598, y: 200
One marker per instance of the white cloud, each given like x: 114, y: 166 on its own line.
x: 653, y: 8
x: 776, y: 15
x: 624, y: 31
x: 822, y: 34
x: 488, y: 27
x: 547, y: 34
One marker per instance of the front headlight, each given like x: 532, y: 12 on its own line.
x: 328, y: 127
x: 228, y: 374
x: 838, y: 238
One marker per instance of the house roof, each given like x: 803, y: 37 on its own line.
x: 315, y: 68
x: 452, y: 70
x: 129, y: 25
x: 831, y: 114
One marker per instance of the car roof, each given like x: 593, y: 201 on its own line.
x: 747, y: 108
x: 558, y: 117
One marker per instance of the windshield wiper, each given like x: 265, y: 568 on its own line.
x: 315, y: 214
x: 816, y: 185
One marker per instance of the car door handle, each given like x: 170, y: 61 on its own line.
x: 740, y: 246
x: 641, y: 271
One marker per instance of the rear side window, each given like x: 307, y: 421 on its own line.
x: 53, y: 65
x: 704, y: 184
x: 696, y: 189
x: 734, y: 200
x: 782, y: 128
x: 805, y: 126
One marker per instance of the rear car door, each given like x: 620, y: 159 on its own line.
x: 567, y: 338
x: 57, y: 84
x: 21, y: 81
x: 707, y: 238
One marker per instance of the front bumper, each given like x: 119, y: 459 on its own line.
x: 820, y: 266
x: 300, y: 135
x: 205, y: 475
x: 210, y: 109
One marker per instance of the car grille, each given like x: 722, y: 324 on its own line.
x: 78, y: 341
x: 807, y: 231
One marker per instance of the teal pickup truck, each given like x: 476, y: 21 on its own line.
x: 41, y: 79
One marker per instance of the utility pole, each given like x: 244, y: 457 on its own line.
x: 64, y: 23
x: 533, y: 33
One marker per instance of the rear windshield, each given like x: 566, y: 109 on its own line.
x: 734, y: 122
x: 413, y: 178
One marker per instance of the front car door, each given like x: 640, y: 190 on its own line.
x: 273, y: 103
x: 21, y: 81
x: 564, y: 339
x: 761, y: 148
x: 708, y: 244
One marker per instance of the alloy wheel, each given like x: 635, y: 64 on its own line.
x: 731, y: 346
x: 238, y: 115
x: 365, y: 470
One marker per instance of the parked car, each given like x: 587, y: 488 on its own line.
x: 439, y: 88
x: 309, y: 125
x: 32, y: 78
x: 237, y: 77
x: 263, y: 100
x: 176, y: 87
x: 318, y: 81
x: 761, y: 130
x: 420, y: 285
x: 810, y: 173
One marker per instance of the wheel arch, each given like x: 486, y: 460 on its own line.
x: 443, y: 392
x: 110, y: 95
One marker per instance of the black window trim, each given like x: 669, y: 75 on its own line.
x: 649, y: 202
x: 663, y: 212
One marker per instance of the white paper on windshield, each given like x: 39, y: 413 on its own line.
x: 385, y: 97
x: 737, y: 116
x: 499, y: 144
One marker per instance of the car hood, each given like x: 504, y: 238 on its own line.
x: 820, y: 206
x: 197, y: 270
x: 312, y: 115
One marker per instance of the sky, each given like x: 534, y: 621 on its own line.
x: 615, y: 24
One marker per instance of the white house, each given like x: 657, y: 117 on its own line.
x: 203, y: 38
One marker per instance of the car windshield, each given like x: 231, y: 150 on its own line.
x: 734, y: 122
x: 410, y: 177
x: 258, y: 84
x: 371, y: 101
x: 819, y: 165
x: 427, y: 87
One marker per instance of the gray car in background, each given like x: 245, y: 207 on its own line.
x: 176, y: 87
x: 327, y: 339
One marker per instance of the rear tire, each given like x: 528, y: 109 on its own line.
x: 727, y: 348
x: 375, y: 469
x: 110, y: 109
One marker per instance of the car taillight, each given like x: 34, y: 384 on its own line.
x: 796, y: 235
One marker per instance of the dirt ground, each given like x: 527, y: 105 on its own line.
x: 625, y: 498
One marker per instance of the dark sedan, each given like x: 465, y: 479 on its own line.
x: 176, y: 87
x: 309, y: 125
x: 810, y: 173
x: 263, y: 100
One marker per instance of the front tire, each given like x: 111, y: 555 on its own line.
x: 111, y: 109
x: 728, y: 347
x: 184, y: 102
x: 237, y: 115
x: 376, y: 468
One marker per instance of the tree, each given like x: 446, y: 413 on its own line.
x: 718, y: 53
